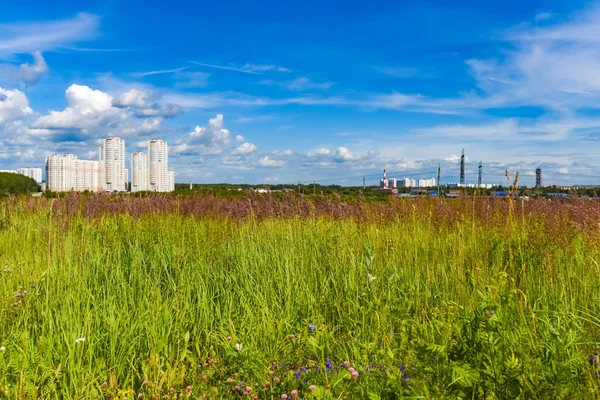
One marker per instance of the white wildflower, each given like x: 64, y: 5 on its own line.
x: 80, y: 340
x: 238, y: 347
x: 2, y: 348
x: 371, y: 277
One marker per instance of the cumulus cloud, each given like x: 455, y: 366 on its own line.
x: 281, y: 153
x: 269, y: 162
x: 245, y: 149
x: 13, y: 105
x: 210, y: 140
x: 563, y: 170
x: 143, y: 104
x: 239, y: 138
x: 340, y: 155
x: 91, y: 113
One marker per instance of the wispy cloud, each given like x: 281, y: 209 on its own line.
x: 95, y: 50
x: 27, y: 37
x: 157, y: 72
x: 397, y: 72
x: 543, y: 16
x: 246, y: 69
x: 301, y: 84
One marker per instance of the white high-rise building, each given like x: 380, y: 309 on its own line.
x: 426, y: 182
x: 407, y: 183
x: 171, y: 182
x: 64, y: 172
x: 33, y: 173
x: 158, y: 165
x: 139, y: 172
x: 113, y: 174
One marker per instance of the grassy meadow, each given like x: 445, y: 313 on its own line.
x: 161, y: 298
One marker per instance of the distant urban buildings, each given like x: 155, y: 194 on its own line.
x: 33, y: 173
x: 65, y: 172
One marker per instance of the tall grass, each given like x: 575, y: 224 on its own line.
x: 419, y: 308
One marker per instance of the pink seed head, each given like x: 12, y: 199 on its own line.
x: 104, y: 384
x: 145, y: 383
x: 229, y: 338
x: 245, y: 394
x: 271, y: 373
x: 312, y: 388
x: 284, y: 396
x: 277, y: 380
x: 351, y: 369
x: 354, y: 375
x: 205, y: 377
x: 248, y: 388
x: 346, y: 364
x: 211, y: 361
x: 205, y: 365
x: 294, y: 394
x: 267, y: 384
x: 188, y: 389
x: 172, y: 390
x: 292, y: 337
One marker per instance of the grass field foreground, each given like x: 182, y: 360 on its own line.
x: 489, y: 300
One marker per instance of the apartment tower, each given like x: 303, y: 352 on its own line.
x: 64, y: 172
x: 139, y: 172
x: 113, y: 174
x: 158, y: 166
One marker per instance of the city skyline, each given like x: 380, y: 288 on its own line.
x: 300, y: 94
x: 66, y: 172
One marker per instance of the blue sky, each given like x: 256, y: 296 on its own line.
x: 269, y: 92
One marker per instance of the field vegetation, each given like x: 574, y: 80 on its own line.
x: 275, y: 297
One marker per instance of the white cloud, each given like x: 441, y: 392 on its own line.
x: 325, y: 157
x: 210, y: 140
x: 239, y: 138
x: 91, y: 112
x: 28, y: 37
x: 27, y: 73
x: 144, y: 105
x: 13, y: 105
x: 280, y: 153
x: 243, y: 150
x: 268, y: 162
x: 134, y: 97
x: 563, y: 170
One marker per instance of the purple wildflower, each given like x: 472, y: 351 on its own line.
x: 297, y: 374
x: 312, y: 327
x: 329, y: 364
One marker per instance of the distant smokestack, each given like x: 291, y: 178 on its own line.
x: 538, y: 177
x: 384, y: 174
x: 462, y: 168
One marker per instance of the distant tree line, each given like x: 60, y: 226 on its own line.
x: 16, y: 184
